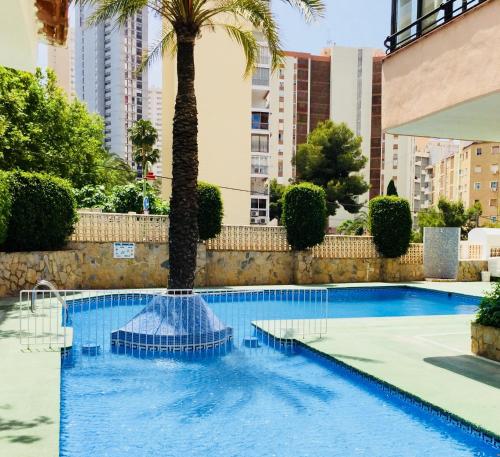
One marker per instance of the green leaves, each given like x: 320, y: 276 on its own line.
x: 210, y: 211
x: 41, y: 130
x: 390, y: 225
x: 304, y: 215
x: 489, y: 308
x: 331, y: 158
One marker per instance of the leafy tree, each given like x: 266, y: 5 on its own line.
x: 453, y: 213
x: 331, y: 159
x: 183, y: 23
x: 304, y: 215
x: 357, y: 226
x: 114, y: 171
x: 128, y: 198
x: 91, y: 197
x: 276, y: 192
x: 144, y: 137
x: 391, y: 188
x: 390, y: 225
x: 5, y: 205
x: 40, y: 130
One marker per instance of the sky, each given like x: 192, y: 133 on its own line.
x: 360, y: 23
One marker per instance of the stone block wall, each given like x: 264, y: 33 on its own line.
x: 21, y: 270
x: 485, y: 341
x: 86, y: 265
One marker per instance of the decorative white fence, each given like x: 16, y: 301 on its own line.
x: 102, y: 227
x: 111, y: 227
x: 84, y: 320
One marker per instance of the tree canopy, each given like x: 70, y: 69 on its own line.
x: 331, y: 159
x: 143, y: 136
x: 41, y: 130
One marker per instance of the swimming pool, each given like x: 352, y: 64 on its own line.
x: 249, y: 402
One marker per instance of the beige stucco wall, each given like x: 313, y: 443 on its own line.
x: 224, y: 114
x: 19, y: 37
x: 447, y: 84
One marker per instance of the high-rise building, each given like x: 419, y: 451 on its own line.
x: 154, y: 114
x: 61, y: 59
x: 342, y: 84
x: 106, y: 59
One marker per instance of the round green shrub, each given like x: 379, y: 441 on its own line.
x: 390, y: 225
x: 5, y: 206
x: 489, y: 308
x: 210, y: 211
x: 304, y: 215
x: 43, y: 212
x: 91, y: 196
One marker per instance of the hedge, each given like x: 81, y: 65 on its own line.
x: 304, y: 215
x: 5, y: 206
x: 390, y: 225
x: 489, y: 308
x: 43, y: 212
x: 210, y: 211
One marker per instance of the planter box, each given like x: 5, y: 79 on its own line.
x: 485, y: 341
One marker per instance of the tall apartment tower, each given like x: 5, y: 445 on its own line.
x: 342, y: 84
x: 106, y: 57
x: 154, y: 114
x: 61, y: 59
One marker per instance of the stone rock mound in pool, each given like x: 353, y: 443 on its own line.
x: 173, y: 323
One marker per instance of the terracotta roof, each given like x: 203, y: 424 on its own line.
x: 53, y: 14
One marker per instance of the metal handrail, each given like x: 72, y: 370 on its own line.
x: 50, y: 286
x: 446, y: 6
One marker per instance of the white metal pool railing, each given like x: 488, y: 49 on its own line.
x: 276, y: 316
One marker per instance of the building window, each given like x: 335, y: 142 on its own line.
x: 395, y: 146
x: 280, y: 137
x: 477, y: 185
x: 280, y: 168
x: 494, y: 185
x: 494, y: 168
x: 495, y: 149
x: 493, y: 202
x: 479, y: 152
x: 260, y: 143
x: 261, y: 77
x: 260, y: 121
x: 478, y: 169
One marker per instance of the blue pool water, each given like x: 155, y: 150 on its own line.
x: 263, y: 402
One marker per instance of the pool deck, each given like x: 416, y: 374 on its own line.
x: 427, y: 357
x: 420, y: 354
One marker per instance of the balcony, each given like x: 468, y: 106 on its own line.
x: 260, y: 121
x: 440, y: 76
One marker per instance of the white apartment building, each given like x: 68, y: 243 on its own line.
x: 154, y: 114
x: 61, y: 59
x: 106, y: 57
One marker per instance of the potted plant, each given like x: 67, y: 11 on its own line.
x: 485, y: 331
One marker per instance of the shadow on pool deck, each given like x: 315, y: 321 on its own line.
x: 470, y: 366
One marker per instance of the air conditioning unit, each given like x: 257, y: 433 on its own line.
x: 254, y: 213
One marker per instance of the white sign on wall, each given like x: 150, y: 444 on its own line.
x: 123, y: 250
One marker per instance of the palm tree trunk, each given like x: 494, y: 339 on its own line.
x: 183, y: 232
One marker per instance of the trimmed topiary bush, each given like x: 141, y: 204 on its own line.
x: 304, y: 215
x: 390, y: 224
x: 210, y: 211
x: 43, y: 212
x: 489, y: 308
x: 5, y: 206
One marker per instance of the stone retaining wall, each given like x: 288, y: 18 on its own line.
x: 485, y: 341
x: 88, y: 265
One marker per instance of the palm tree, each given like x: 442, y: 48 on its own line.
x: 183, y: 22
x: 143, y: 137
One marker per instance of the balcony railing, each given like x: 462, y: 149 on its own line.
x: 256, y: 125
x: 444, y: 13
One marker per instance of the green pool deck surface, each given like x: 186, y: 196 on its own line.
x: 428, y: 357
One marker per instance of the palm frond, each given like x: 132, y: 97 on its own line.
x: 310, y: 9
x: 119, y: 10
x: 248, y: 43
x: 166, y: 43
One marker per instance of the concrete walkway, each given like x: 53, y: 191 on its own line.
x: 29, y: 393
x: 426, y: 356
